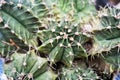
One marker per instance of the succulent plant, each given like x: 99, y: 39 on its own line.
x: 28, y: 66
x: 68, y: 29
x: 19, y: 21
x: 84, y: 10
x: 106, y: 36
x: 78, y: 73
x: 113, y: 58
x: 63, y: 41
x: 77, y: 10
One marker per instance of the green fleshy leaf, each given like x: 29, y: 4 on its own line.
x: 65, y: 42
x: 28, y: 65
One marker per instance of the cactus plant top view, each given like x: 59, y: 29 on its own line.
x: 65, y: 41
x: 59, y: 40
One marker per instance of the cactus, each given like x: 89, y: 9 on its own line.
x: 106, y: 36
x: 78, y: 73
x: 113, y: 58
x: 28, y: 66
x: 20, y: 20
x: 65, y: 41
x: 70, y: 9
x: 84, y: 10
x: 52, y: 45
x: 68, y: 29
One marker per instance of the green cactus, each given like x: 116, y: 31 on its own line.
x: 77, y: 10
x: 84, y: 10
x: 64, y: 42
x: 65, y: 28
x: 19, y: 21
x: 78, y: 73
x: 28, y: 66
x: 107, y: 36
x: 113, y: 58
x: 106, y: 39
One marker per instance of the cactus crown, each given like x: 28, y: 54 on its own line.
x: 65, y: 41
